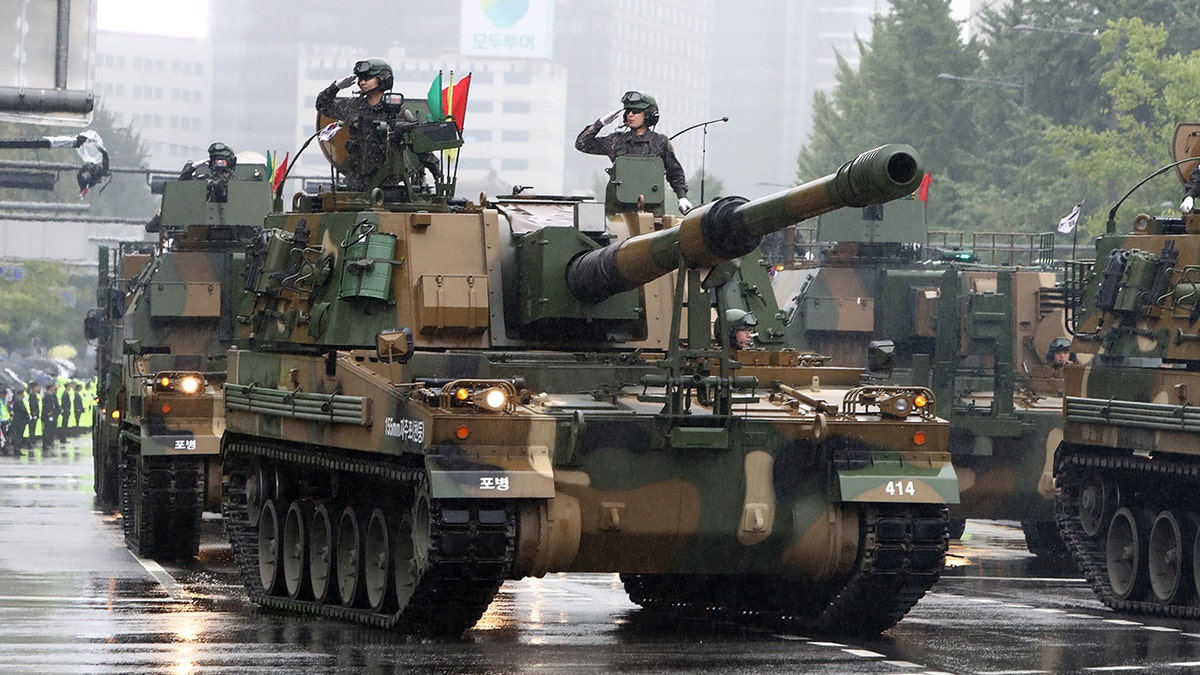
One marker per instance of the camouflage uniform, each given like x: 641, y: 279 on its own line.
x: 1192, y: 187
x: 621, y: 143
x: 366, y: 149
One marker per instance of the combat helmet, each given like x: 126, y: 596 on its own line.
x: 375, y: 67
x: 635, y: 100
x: 1058, y: 344
x: 221, y: 157
x: 737, y: 319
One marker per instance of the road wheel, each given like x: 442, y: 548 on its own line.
x: 413, y: 542
x: 1125, y: 554
x: 348, y: 555
x: 256, y: 492
x: 268, y: 548
x: 320, y: 554
x: 1168, y: 558
x: 377, y: 559
x: 1098, y: 500
x: 295, y: 548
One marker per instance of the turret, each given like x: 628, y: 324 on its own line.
x: 519, y: 271
x: 733, y: 226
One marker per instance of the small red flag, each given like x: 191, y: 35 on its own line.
x: 280, y: 172
x: 923, y: 191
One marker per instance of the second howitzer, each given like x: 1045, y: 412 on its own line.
x: 162, y: 329
x: 424, y: 403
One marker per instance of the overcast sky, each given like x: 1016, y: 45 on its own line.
x: 190, y: 18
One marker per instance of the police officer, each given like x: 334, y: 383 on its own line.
x: 20, y: 422
x: 51, y: 409
x: 640, y: 115
x: 35, y: 410
x: 366, y: 149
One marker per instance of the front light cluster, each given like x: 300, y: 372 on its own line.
x: 189, y: 384
x: 899, y: 402
x: 491, y: 395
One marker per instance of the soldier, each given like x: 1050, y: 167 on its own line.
x: 741, y: 328
x: 221, y: 162
x: 1059, y: 353
x: 641, y: 114
x: 366, y: 148
x: 51, y: 409
x: 20, y: 422
x: 1191, y: 190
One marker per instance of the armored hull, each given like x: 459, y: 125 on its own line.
x: 430, y: 399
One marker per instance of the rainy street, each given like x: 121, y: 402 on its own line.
x: 75, y: 600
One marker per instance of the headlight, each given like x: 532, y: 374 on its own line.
x: 491, y: 395
x: 190, y: 384
x: 492, y: 398
x: 896, y: 406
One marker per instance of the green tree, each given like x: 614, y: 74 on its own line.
x: 1151, y: 91
x: 46, y: 303
x: 896, y: 96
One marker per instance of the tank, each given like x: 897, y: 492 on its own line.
x: 163, y: 324
x: 1128, y: 466
x: 431, y: 396
x: 977, y: 334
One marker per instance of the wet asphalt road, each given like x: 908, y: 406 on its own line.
x: 74, y: 600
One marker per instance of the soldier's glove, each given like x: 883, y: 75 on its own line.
x: 1186, y: 206
x: 684, y: 205
x: 608, y: 119
x: 346, y: 81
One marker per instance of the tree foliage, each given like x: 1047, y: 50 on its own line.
x: 1056, y: 103
x: 1151, y: 91
x: 896, y: 96
x: 45, y: 306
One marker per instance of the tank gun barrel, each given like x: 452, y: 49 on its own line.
x: 733, y: 226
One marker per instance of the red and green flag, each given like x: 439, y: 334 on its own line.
x: 449, y: 102
x: 454, y: 99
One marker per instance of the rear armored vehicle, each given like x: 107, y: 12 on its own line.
x: 1129, y: 464
x: 431, y: 396
x: 164, y: 323
x: 980, y: 335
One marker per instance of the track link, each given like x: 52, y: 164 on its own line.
x: 162, y: 504
x: 471, y: 542
x: 901, y: 555
x: 1134, y: 475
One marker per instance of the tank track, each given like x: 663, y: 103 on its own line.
x: 901, y: 555
x: 473, y: 543
x: 1134, y: 473
x: 162, y: 504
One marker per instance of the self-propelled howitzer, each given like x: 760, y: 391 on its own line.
x: 421, y: 407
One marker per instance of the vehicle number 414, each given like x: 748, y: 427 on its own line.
x: 900, y: 488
